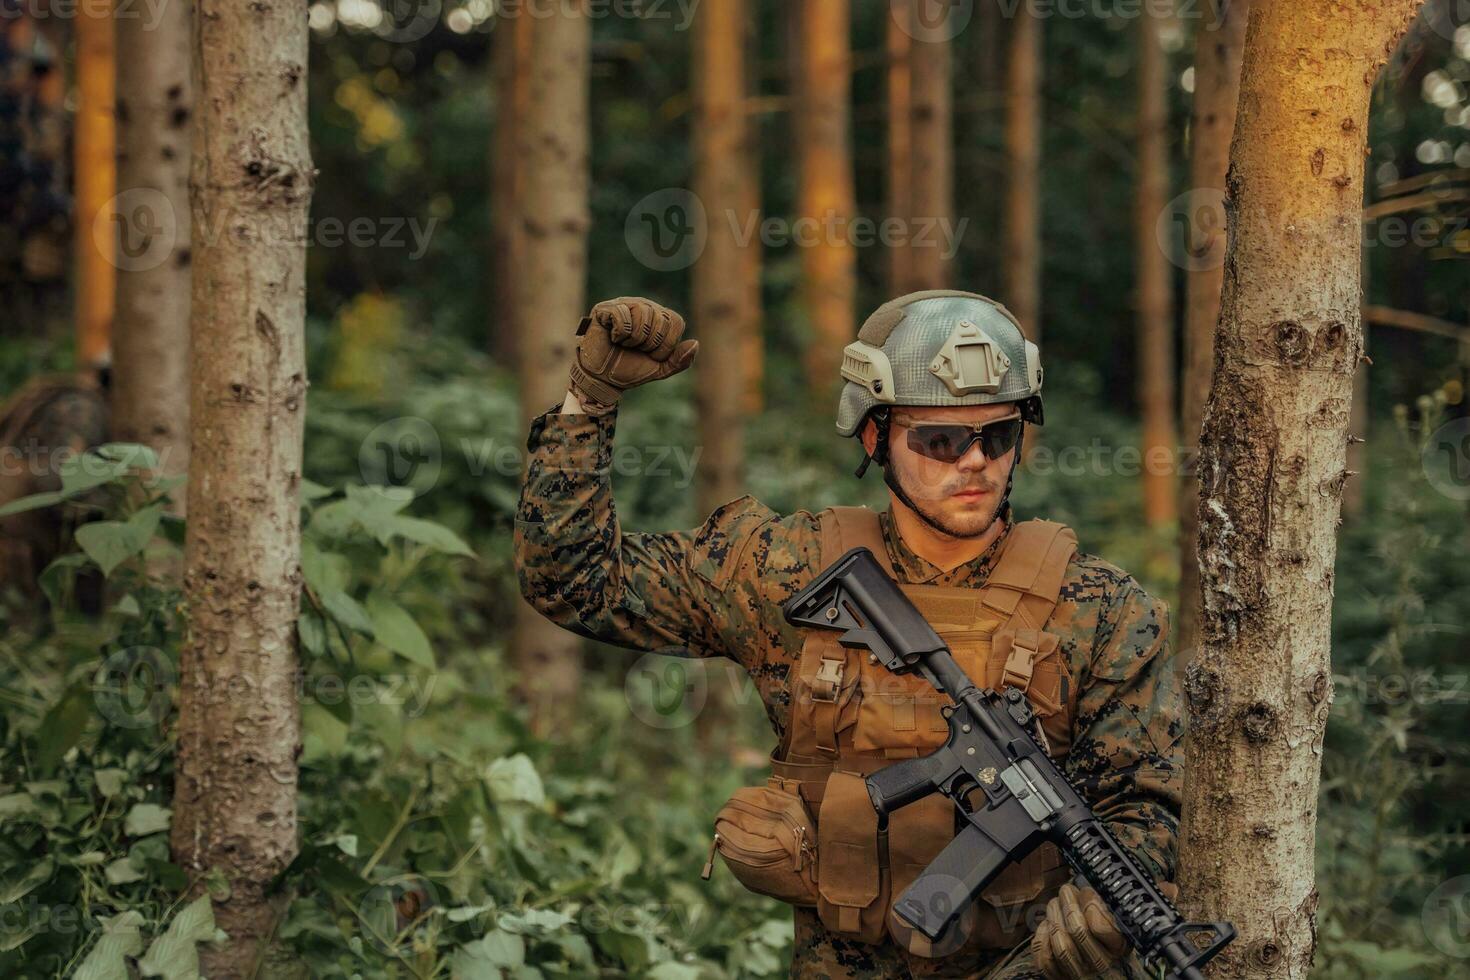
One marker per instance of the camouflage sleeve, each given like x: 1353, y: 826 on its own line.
x: 1127, y: 755
x: 579, y: 569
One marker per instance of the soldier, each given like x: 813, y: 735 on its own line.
x: 939, y: 388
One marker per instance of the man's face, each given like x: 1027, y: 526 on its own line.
x: 960, y: 498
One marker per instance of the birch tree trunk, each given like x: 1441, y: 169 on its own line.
x: 1021, y: 217
x: 1154, y: 287
x: 723, y: 312
x: 510, y: 55
x: 551, y: 294
x: 933, y: 156
x: 1272, y: 467
x: 150, y: 377
x: 239, y: 729
x: 1216, y: 91
x: 825, y: 195
x: 95, y: 182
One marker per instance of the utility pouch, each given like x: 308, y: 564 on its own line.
x: 764, y: 834
x: 852, y: 889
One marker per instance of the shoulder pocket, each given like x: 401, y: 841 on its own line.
x: 720, y: 544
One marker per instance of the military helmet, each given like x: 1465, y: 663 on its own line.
x: 937, y: 348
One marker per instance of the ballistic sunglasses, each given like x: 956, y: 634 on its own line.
x: 947, y: 442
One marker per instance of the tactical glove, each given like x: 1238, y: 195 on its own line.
x: 627, y: 342
x: 1078, y: 939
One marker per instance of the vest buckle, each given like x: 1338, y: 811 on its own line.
x: 1025, y: 646
x: 828, y: 681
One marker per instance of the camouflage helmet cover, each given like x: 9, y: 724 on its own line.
x: 938, y: 348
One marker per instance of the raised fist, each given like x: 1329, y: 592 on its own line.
x: 627, y: 342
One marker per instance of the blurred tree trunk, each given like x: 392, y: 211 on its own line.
x: 1216, y: 92
x: 550, y: 295
x: 752, y: 340
x: 1272, y: 462
x: 933, y: 157
x: 899, y: 45
x: 825, y: 196
x: 510, y: 53
x: 1021, y: 219
x: 95, y: 182
x: 1155, y: 287
x: 239, y: 726
x: 150, y: 377
x: 725, y: 310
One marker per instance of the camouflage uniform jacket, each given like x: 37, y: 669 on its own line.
x: 717, y: 591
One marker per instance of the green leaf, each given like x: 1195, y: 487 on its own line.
x: 311, y: 490
x: 103, y: 465
x: 313, y: 633
x: 15, y: 886
x: 110, y: 543
x: 515, y: 780
x: 63, y: 726
x: 487, y: 956
x: 110, y: 781
x: 121, y: 937
x: 17, y: 805
x: 147, y: 818
x: 435, y: 536
x: 535, y: 922
x: 375, y: 502
x: 324, y: 571
x: 627, y: 948
x: 34, y: 502
x: 395, y: 629
x: 671, y: 970
x: 174, y: 955
x: 122, y: 872
x: 347, y: 611
x: 323, y: 736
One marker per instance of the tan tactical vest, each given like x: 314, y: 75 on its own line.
x: 850, y: 717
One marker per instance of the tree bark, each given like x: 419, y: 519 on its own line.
x: 550, y: 295
x: 724, y: 311
x: 825, y: 195
x: 933, y: 156
x: 1216, y: 93
x: 239, y: 721
x: 752, y: 340
x: 1155, y: 288
x: 150, y: 377
x: 899, y: 45
x: 1273, y: 451
x: 1021, y: 217
x: 510, y: 55
x: 95, y: 182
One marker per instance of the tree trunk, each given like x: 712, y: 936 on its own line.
x: 752, y: 340
x: 825, y: 195
x: 550, y: 295
x: 95, y: 182
x: 1155, y: 289
x: 510, y: 54
x: 899, y: 44
x: 239, y: 721
x: 1021, y: 220
x: 723, y: 313
x: 1216, y: 92
x: 933, y: 155
x: 1273, y: 451
x: 150, y: 377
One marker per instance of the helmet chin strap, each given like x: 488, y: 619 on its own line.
x: 881, y: 456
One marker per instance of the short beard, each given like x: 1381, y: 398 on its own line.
x: 917, y: 503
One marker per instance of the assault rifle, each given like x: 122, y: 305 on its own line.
x: 1011, y: 796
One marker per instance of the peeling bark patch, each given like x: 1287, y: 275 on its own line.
x: 1293, y: 343
x: 1262, y: 832
x: 1201, y: 685
x: 1333, y: 413
x: 268, y: 332
x: 1259, y: 722
x: 1321, y: 687
x: 1319, y: 159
